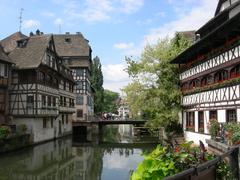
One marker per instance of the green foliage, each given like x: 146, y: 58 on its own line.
x: 233, y: 132
x: 109, y: 102
x: 154, y: 91
x: 97, y: 84
x: 4, y: 131
x: 168, y: 161
x: 214, y: 128
x: 224, y: 171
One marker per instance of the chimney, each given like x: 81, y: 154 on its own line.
x: 67, y: 33
x: 38, y: 32
x: 31, y: 34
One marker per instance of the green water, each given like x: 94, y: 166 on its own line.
x: 112, y: 158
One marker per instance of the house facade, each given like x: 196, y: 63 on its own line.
x: 41, y: 94
x: 76, y: 52
x: 210, y: 73
x: 5, y: 77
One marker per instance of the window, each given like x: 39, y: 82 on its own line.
x: 41, y: 77
x: 221, y: 76
x: 79, y: 72
x: 184, y: 86
x: 79, y: 100
x: 30, y: 100
x: 213, y: 115
x: 200, y: 121
x: 235, y: 72
x: 194, y: 83
x: 51, y: 122
x: 79, y: 85
x: 43, y: 100
x: 68, y: 40
x: 61, y: 101
x: 204, y: 81
x: 190, y: 121
x: 5, y: 70
x: 231, y: 115
x: 55, y: 82
x: 64, y: 85
x: 49, y: 101
x: 79, y: 113
x: 66, y: 119
x: 54, y: 101
x: 64, y: 101
x: 44, y: 123
x: 48, y: 59
x: 62, y: 119
x: 53, y: 63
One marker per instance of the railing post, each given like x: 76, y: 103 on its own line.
x: 234, y: 162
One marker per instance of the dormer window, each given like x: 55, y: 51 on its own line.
x: 22, y: 43
x: 224, y: 6
x: 68, y: 40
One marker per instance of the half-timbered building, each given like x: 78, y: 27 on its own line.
x: 5, y: 76
x: 210, y: 73
x: 42, y: 89
x: 76, y: 52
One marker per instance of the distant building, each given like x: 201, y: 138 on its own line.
x: 123, y: 109
x: 5, y: 77
x: 41, y: 94
x: 77, y: 54
x: 210, y: 73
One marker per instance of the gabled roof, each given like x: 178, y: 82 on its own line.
x: 9, y: 43
x: 3, y: 56
x: 32, y: 54
x: 73, y: 45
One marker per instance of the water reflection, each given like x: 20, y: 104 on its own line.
x: 60, y: 160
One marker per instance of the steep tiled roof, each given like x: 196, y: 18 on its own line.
x: 9, y: 43
x: 73, y: 45
x: 3, y: 56
x: 32, y: 54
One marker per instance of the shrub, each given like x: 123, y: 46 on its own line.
x: 4, y: 131
x: 232, y: 133
x: 214, y: 128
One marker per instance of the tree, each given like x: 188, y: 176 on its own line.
x: 97, y: 84
x: 154, y: 90
x: 110, y: 98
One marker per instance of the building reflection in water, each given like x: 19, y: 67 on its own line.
x: 59, y: 160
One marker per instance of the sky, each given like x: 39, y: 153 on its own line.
x: 114, y: 28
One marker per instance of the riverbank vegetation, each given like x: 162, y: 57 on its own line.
x: 154, y: 92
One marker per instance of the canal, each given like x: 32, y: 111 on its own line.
x: 114, y: 157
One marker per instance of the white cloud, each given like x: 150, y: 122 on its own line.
x: 131, y: 6
x: 191, y: 20
x: 31, y: 23
x: 123, y: 46
x: 115, y: 77
x: 58, y: 22
x: 90, y: 11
